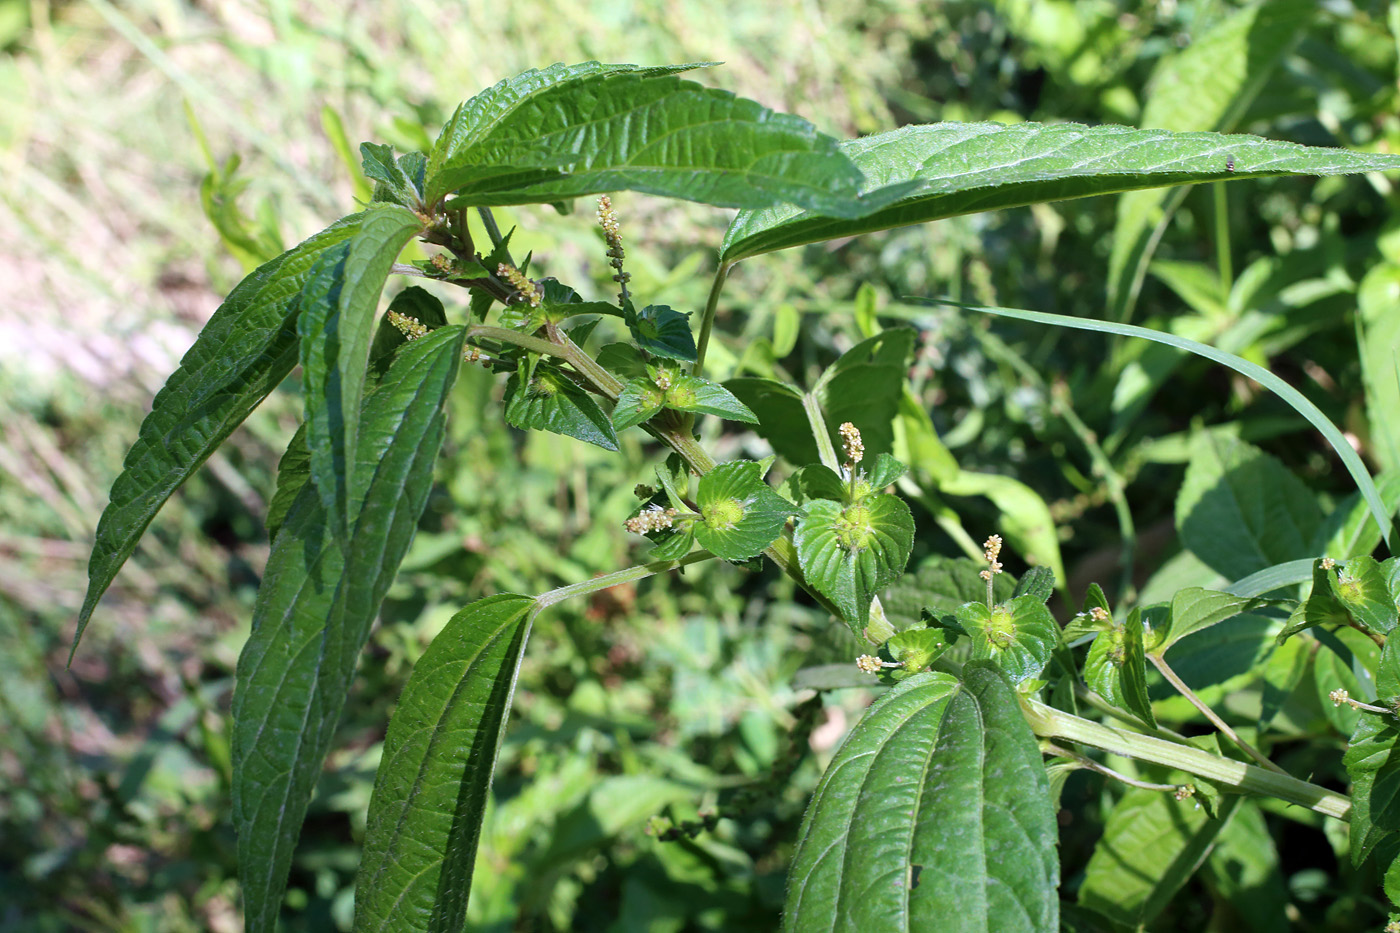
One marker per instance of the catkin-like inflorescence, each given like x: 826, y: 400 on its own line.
x: 410, y: 327
x: 869, y: 664
x: 527, y: 289
x: 991, y: 550
x: 851, y: 444
x: 651, y: 519
x: 607, y: 219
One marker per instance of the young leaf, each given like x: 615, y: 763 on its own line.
x: 638, y: 401
x: 850, y: 552
x: 338, y: 302
x: 246, y: 349
x: 664, y: 332
x: 393, y: 183
x: 742, y: 514
x: 934, y: 815
x: 541, y: 398
x: 1019, y: 635
x: 435, y: 775
x: 1116, y: 668
x: 1038, y: 582
x: 572, y: 130
x: 1151, y: 846
x: 921, y: 173
x: 314, y: 612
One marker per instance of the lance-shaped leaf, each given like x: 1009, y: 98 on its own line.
x: 572, y: 130
x: 338, y: 303
x: 1116, y: 668
x: 314, y: 612
x: 392, y: 180
x: 541, y: 398
x: 963, y: 168
x: 1019, y: 635
x: 1194, y: 609
x: 246, y: 349
x: 742, y: 514
x: 850, y: 552
x: 934, y: 815
x: 435, y: 776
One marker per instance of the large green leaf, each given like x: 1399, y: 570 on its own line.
x: 934, y: 815
x: 1194, y: 609
x: 963, y: 168
x: 246, y: 349
x: 1208, y: 85
x: 337, y: 321
x: 572, y: 130
x: 1372, y: 761
x: 1151, y: 845
x: 1240, y: 510
x: 434, y: 778
x: 314, y: 611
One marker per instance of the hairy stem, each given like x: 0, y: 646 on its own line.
x: 1049, y: 723
x: 630, y: 575
x: 1165, y: 669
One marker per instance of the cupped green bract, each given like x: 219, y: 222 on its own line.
x: 1116, y: 668
x: 850, y: 552
x: 1019, y: 635
x: 540, y: 397
x: 663, y: 332
x: 742, y: 515
x: 566, y: 131
x: 643, y: 397
x: 1361, y: 587
x: 934, y: 815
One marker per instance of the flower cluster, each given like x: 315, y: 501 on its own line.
x: 851, y: 444
x: 991, y: 551
x: 652, y: 518
x: 410, y: 327
x: 869, y: 664
x: 527, y: 289
x: 607, y: 219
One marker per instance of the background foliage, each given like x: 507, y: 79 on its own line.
x: 652, y: 700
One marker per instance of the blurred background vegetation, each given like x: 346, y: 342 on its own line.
x: 126, y: 215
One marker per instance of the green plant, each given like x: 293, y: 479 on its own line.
x: 939, y: 804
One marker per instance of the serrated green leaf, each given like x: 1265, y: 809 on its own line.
x: 435, y: 775
x: 293, y: 472
x: 781, y: 418
x: 1116, y: 668
x: 559, y: 302
x: 1038, y: 582
x: 638, y: 401
x: 850, y: 552
x: 684, y: 392
x: 543, y: 399
x: 916, y: 649
x: 1019, y: 635
x: 934, y: 815
x: 314, y: 612
x: 1388, y: 672
x: 246, y: 349
x: 393, y: 184
x: 815, y: 481
x: 1151, y: 845
x: 885, y: 472
x: 572, y: 130
x: 1086, y: 622
x: 1195, y: 608
x: 1373, y: 764
x: 1361, y: 588
x: 664, y: 332
x: 1240, y: 510
x: 623, y: 361
x: 742, y: 514
x: 338, y: 302
x: 917, y: 174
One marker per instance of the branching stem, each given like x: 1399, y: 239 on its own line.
x: 1206, y: 711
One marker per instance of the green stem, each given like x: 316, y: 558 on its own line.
x: 488, y: 220
x: 515, y: 338
x: 1165, y: 669
x: 630, y: 575
x: 707, y: 320
x: 1050, y: 723
x: 817, y: 422
x: 1222, y: 239
x: 1090, y: 764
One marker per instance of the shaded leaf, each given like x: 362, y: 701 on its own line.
x: 1373, y: 764
x: 664, y: 332
x: 1194, y: 609
x: 1363, y: 592
x: 1116, y: 668
x: 539, y: 397
x: 293, y: 472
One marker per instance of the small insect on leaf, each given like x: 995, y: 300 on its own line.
x: 1229, y: 163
